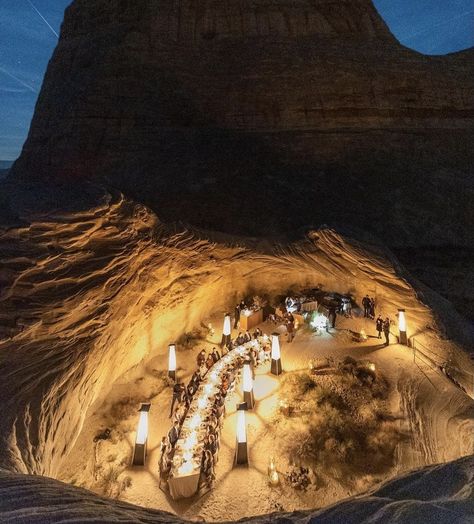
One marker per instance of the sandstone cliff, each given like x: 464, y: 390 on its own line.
x: 260, y: 117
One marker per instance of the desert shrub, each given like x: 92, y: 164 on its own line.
x: 348, y: 366
x: 191, y: 339
x: 341, y: 423
x: 110, y: 483
x: 123, y: 409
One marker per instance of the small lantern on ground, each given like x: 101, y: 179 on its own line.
x: 273, y: 477
x: 226, y: 331
x: 141, y: 440
x: 402, y: 327
x: 241, y: 453
x: 172, y: 362
x: 247, y: 386
x: 276, y: 355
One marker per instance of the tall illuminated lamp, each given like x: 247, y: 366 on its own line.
x: 249, y: 399
x: 226, y: 331
x: 172, y: 361
x: 402, y: 327
x: 141, y: 440
x: 241, y: 452
x: 276, y: 355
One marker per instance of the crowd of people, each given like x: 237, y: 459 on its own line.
x: 181, y: 400
x: 258, y: 352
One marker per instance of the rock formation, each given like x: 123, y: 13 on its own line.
x: 441, y: 494
x: 253, y: 117
x: 260, y: 117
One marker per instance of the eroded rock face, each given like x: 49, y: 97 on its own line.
x: 441, y: 494
x: 260, y: 117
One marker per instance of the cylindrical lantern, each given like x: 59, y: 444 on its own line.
x: 172, y: 361
x: 241, y: 454
x: 276, y: 355
x: 247, y: 386
x: 139, y: 452
x: 226, y: 331
x: 402, y: 327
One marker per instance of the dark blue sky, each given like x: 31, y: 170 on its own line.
x: 27, y: 41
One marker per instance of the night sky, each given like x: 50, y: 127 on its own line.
x: 28, y: 35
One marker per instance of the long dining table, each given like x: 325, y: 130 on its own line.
x: 189, y: 449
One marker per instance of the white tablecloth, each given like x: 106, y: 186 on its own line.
x: 188, y: 455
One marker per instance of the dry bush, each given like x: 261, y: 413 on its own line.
x: 110, y: 483
x: 191, y: 339
x: 123, y: 409
x: 340, y: 424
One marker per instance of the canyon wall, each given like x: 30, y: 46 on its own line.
x: 260, y: 117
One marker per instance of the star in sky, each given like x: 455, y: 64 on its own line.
x: 29, y: 33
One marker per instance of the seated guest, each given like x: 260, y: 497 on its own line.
x: 179, y: 414
x: 191, y: 388
x: 247, y: 336
x: 209, y: 361
x: 208, y: 468
x: 240, y: 340
x: 202, y: 370
x: 257, y: 333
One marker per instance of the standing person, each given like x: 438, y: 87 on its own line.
x: 332, y: 317
x: 366, y: 304
x: 173, y: 434
x: 379, y: 326
x: 201, y: 358
x: 215, y: 355
x: 386, y: 331
x: 236, y: 316
x: 372, y: 308
x: 178, y: 390
x: 290, y: 328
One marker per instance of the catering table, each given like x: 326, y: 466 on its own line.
x: 250, y: 318
x: 184, y: 486
x: 309, y: 306
x: 189, y: 449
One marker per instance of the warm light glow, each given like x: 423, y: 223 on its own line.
x: 172, y: 358
x: 227, y: 329
x: 276, y: 354
x: 402, y: 323
x: 142, y: 431
x: 273, y: 473
x: 247, y: 378
x: 208, y: 388
x: 190, y: 441
x: 241, y: 427
x: 319, y: 321
x: 186, y: 468
x: 195, y: 421
x: 363, y: 334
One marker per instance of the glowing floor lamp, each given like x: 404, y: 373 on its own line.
x: 172, y: 362
x: 249, y: 399
x: 226, y: 331
x: 402, y: 327
x: 241, y: 453
x: 276, y: 355
x: 139, y: 452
